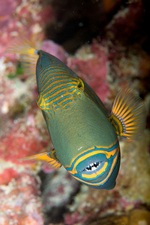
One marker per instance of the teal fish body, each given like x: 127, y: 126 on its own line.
x: 84, y: 139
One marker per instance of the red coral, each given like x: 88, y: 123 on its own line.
x: 73, y: 218
x: 7, y: 175
x: 128, y: 20
x: 23, y: 139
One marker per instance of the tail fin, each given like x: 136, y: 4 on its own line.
x: 27, y: 52
x: 128, y: 114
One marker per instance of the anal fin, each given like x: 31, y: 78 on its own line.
x: 128, y: 114
x: 47, y: 157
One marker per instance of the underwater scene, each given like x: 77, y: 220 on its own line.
x: 74, y: 112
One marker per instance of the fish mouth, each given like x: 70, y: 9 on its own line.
x: 94, y: 170
x: 92, y: 167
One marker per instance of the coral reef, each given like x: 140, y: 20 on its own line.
x: 20, y: 201
x: 58, y: 190
x: 22, y: 17
x: 107, y: 44
x: 134, y: 217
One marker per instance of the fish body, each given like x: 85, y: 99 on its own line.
x: 83, y: 133
x: 78, y: 124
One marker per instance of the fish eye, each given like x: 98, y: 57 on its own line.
x: 80, y: 84
x: 37, y: 52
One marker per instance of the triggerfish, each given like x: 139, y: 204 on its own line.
x: 84, y: 134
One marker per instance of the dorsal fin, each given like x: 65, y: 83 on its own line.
x: 128, y: 114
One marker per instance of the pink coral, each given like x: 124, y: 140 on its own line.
x: 20, y: 203
x: 91, y: 63
x: 74, y: 218
x: 54, y: 49
x: 22, y: 17
x: 6, y: 90
x: 7, y: 8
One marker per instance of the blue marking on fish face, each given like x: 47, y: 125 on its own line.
x: 96, y: 167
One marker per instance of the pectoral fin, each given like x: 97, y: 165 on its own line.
x: 47, y: 157
x: 128, y: 114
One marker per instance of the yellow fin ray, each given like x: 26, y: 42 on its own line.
x: 45, y: 156
x: 22, y: 46
x: 27, y: 52
x: 128, y: 114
